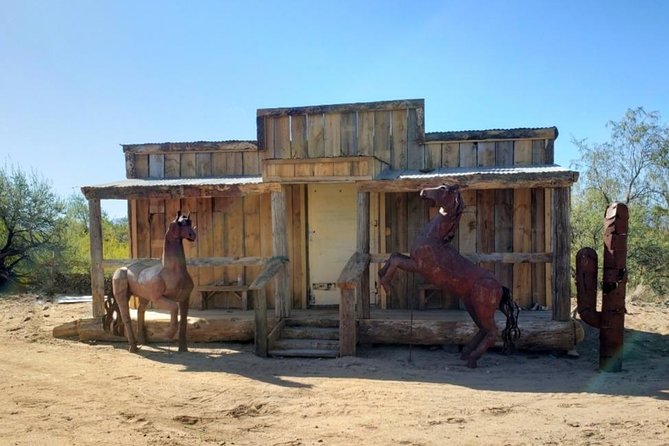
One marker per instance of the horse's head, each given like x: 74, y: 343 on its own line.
x: 182, y: 227
x: 446, y: 198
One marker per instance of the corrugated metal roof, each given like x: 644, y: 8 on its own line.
x: 478, y: 135
x: 168, y: 182
x: 469, y: 171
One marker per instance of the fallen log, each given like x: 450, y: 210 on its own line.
x: 200, y: 329
x: 536, y: 334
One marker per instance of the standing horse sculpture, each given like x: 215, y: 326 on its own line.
x: 166, y: 283
x: 433, y: 256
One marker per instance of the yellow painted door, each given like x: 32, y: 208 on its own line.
x: 331, y: 230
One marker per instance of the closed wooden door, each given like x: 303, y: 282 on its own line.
x: 331, y: 230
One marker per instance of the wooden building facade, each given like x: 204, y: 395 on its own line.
x: 334, y: 189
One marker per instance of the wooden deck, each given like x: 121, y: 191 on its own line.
x: 427, y: 327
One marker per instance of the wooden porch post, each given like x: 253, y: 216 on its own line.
x: 561, y: 241
x: 280, y: 247
x: 260, y: 316
x: 362, y: 246
x: 97, y: 273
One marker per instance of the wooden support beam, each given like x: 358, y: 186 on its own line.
x: 348, y: 336
x: 97, y: 273
x: 280, y: 248
x: 198, y: 261
x: 260, y: 316
x: 362, y: 246
x: 561, y: 238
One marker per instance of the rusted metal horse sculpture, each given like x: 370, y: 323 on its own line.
x: 166, y: 283
x: 433, y: 256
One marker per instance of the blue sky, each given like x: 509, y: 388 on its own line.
x: 78, y: 78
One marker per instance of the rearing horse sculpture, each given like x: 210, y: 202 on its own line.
x: 433, y: 256
x: 166, y: 283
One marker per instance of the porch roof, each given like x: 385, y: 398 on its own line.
x: 511, y: 177
x: 179, y: 188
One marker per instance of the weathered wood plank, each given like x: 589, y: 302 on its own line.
x: 260, y: 321
x: 282, y: 137
x: 316, y: 135
x: 399, y: 143
x: 189, y: 147
x: 366, y: 133
x: 298, y: 130
x: 561, y: 237
x: 348, y: 134
x: 188, y: 165
x: 332, y: 135
x: 415, y: 136
x: 142, y: 166
x: 97, y: 273
x: 280, y: 249
x: 382, y: 136
x: 432, y: 155
x: 483, y: 135
x: 548, y: 244
x: 522, y: 242
x: 522, y: 152
x: 450, y: 155
x: 362, y: 246
x: 172, y: 165
x: 468, y: 219
x: 468, y: 155
x: 504, y: 234
x: 538, y: 245
x: 486, y: 154
x: 504, y: 153
x: 157, y: 166
x: 485, y: 200
x: 351, y: 274
x: 348, y: 336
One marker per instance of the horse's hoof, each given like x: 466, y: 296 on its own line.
x: 133, y: 349
x: 183, y: 349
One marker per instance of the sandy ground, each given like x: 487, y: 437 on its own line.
x: 64, y: 392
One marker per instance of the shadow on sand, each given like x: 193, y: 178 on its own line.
x: 645, y: 365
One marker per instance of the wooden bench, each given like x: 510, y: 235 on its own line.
x: 241, y: 291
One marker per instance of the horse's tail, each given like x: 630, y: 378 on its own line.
x: 511, y: 310
x: 111, y: 321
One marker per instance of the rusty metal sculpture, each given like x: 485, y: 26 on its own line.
x: 433, y: 256
x: 166, y: 283
x: 611, y: 319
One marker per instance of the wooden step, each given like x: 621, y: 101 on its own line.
x: 303, y: 353
x: 305, y: 344
x: 313, y: 322
x: 307, y: 332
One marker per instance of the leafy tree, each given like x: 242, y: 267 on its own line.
x: 633, y: 168
x: 29, y: 216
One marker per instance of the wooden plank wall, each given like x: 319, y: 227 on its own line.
x: 226, y: 226
x: 393, y: 136
x: 509, y: 220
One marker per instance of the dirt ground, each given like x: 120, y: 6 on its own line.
x: 61, y: 392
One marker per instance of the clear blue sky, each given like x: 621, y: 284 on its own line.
x: 78, y: 78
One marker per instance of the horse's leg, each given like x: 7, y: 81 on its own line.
x: 482, y: 304
x: 141, y: 330
x: 396, y: 260
x: 122, y: 296
x: 173, y: 308
x: 183, y: 325
x: 472, y: 344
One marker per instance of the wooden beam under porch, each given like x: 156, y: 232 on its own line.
x: 424, y: 327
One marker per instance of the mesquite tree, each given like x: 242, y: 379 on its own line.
x: 29, y: 215
x: 630, y: 168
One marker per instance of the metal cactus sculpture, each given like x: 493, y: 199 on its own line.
x: 611, y: 319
